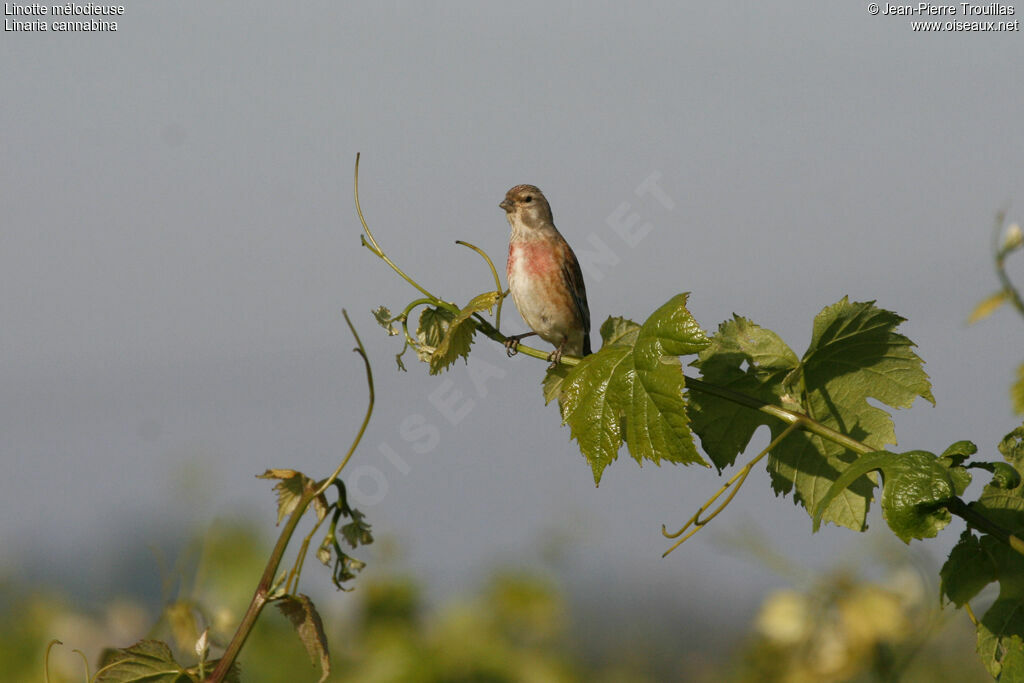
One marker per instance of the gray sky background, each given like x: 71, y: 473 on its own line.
x: 179, y: 237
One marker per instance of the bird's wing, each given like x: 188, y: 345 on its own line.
x: 574, y: 282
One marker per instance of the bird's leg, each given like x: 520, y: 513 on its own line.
x: 512, y: 342
x: 556, y: 355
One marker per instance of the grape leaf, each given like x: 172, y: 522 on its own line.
x: 290, y: 489
x: 860, y: 339
x: 146, y: 660
x: 552, y: 384
x: 960, y: 451
x: 300, y: 611
x: 434, y: 322
x: 916, y: 487
x: 1012, y: 447
x: 445, y: 336
x: 975, y: 562
x: 1002, y: 652
x: 968, y: 569
x: 632, y: 390
x: 614, y: 330
x: 382, y: 314
x: 855, y: 354
x: 747, y: 359
x: 1004, y: 475
x: 1001, y: 629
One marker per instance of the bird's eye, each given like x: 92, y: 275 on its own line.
x: 529, y: 198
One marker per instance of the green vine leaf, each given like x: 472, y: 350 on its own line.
x: 459, y: 335
x: 1001, y: 629
x: 860, y: 338
x: 1000, y: 648
x: 1004, y: 476
x: 552, y: 384
x: 916, y: 487
x: 433, y: 325
x: 1005, y: 507
x: 957, y: 453
x: 977, y: 561
x: 290, y: 489
x: 146, y: 660
x: 444, y: 336
x: 614, y: 330
x: 1012, y: 447
x: 382, y: 314
x: 747, y: 359
x: 632, y: 390
x: 968, y: 569
x: 300, y: 611
x: 855, y: 354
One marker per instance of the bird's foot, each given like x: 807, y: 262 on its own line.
x: 556, y: 356
x: 512, y: 343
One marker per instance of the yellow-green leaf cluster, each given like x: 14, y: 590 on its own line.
x: 293, y: 485
x: 445, y: 336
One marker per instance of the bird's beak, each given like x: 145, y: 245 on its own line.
x: 506, y: 204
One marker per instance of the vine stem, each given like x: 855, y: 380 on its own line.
x: 361, y: 350
x: 805, y: 422
x: 292, y: 584
x: 982, y: 523
x: 263, y: 589
x: 737, y: 479
x: 490, y: 331
x: 46, y: 661
x: 262, y: 594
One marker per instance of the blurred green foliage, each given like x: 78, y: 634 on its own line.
x: 517, y: 627
x: 843, y: 628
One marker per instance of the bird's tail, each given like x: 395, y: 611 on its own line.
x: 586, y: 344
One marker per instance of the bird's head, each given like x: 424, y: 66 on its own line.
x: 527, y: 205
